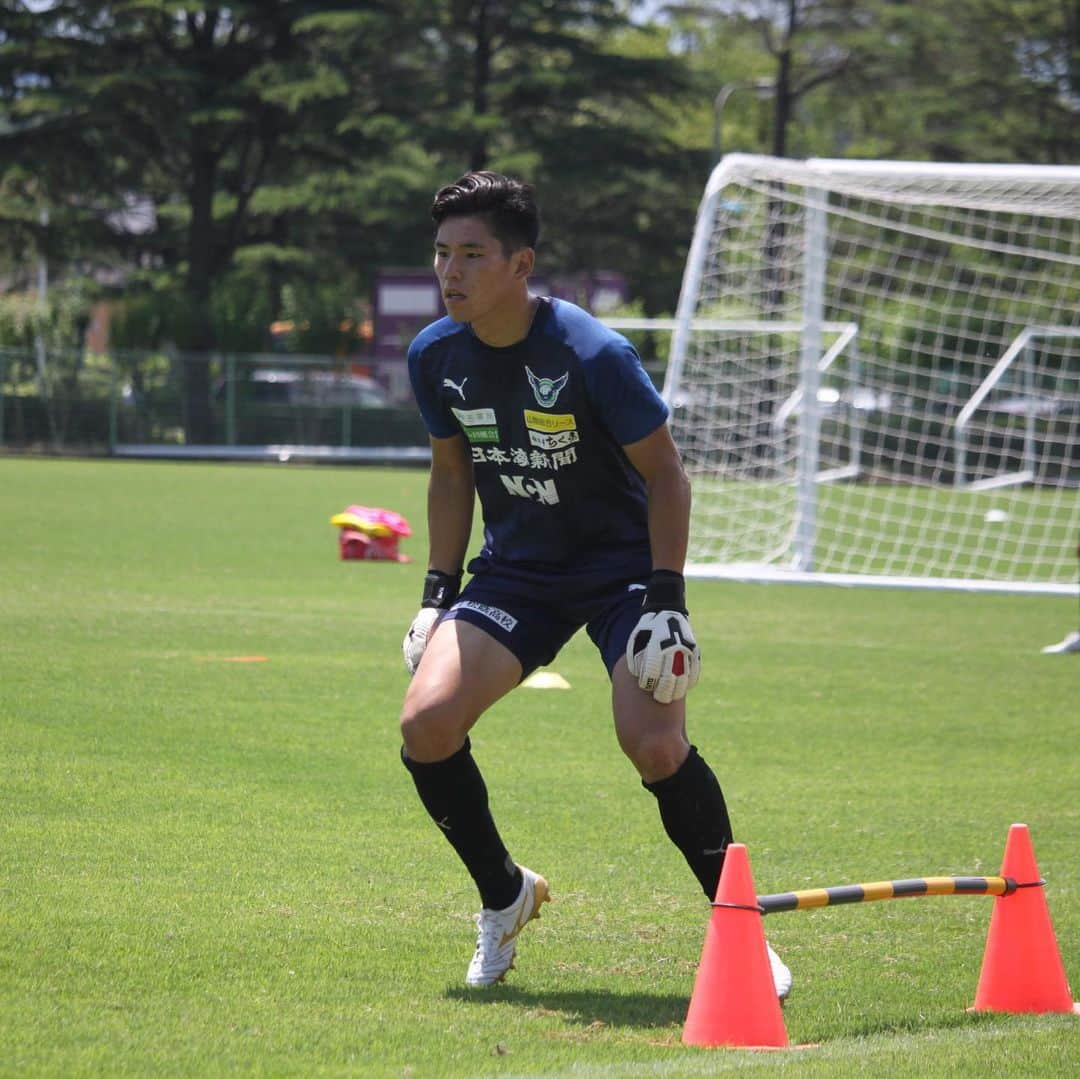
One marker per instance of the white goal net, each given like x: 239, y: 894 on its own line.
x: 875, y: 373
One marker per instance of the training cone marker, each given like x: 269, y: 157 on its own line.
x: 546, y: 680
x: 1022, y: 969
x: 734, y: 1002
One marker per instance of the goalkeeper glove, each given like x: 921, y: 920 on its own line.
x: 661, y: 652
x: 440, y: 591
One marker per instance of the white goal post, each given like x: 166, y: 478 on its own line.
x: 874, y: 374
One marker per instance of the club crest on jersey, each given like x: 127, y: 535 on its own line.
x: 547, y: 390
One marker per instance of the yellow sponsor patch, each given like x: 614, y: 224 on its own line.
x: 546, y: 421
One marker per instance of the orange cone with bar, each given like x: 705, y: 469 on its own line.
x: 1022, y: 969
x: 734, y: 1000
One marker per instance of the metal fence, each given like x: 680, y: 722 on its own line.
x: 169, y: 403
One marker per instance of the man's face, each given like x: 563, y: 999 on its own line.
x: 475, y: 276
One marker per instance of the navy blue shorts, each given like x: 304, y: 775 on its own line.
x: 535, y: 613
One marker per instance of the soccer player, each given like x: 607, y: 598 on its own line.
x: 546, y: 415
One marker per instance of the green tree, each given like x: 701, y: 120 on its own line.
x: 567, y: 93
x: 191, y: 107
x: 975, y: 80
x: 786, y: 49
x: 576, y: 97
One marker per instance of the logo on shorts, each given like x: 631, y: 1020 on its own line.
x: 547, y: 390
x: 499, y: 617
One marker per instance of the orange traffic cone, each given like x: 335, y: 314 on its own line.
x: 734, y: 1000
x: 1022, y: 969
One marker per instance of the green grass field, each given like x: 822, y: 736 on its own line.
x: 214, y: 867
x: 1013, y: 533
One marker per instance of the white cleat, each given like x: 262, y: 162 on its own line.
x: 781, y: 975
x: 1070, y: 644
x: 497, y: 931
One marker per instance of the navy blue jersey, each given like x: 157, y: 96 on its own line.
x: 546, y: 420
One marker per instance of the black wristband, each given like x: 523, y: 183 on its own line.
x: 666, y: 591
x: 440, y: 589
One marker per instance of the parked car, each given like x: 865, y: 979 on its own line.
x: 310, y: 388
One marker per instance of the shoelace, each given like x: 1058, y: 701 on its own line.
x: 487, y: 933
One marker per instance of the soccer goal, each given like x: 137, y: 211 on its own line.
x: 875, y: 374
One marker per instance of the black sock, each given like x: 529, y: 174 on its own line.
x: 695, y: 818
x: 456, y: 798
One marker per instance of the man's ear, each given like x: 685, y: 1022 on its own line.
x: 524, y: 261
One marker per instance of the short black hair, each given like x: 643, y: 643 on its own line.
x: 508, y: 205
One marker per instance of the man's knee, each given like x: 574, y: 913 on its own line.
x: 656, y: 754
x: 432, y: 729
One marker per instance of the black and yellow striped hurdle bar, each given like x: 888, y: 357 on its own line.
x: 884, y: 889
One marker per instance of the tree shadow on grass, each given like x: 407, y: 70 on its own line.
x: 585, y: 1007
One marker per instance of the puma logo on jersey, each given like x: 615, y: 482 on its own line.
x: 547, y: 390
x: 450, y: 384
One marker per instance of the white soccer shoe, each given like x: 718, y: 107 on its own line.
x: 497, y: 931
x: 1070, y: 644
x: 781, y: 975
